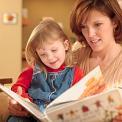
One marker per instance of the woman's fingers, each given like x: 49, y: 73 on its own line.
x: 118, y: 118
x: 13, y: 104
x: 16, y: 109
x: 16, y: 112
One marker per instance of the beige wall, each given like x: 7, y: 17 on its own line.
x: 10, y: 40
x: 58, y: 9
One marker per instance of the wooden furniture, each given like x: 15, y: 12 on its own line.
x: 5, y: 81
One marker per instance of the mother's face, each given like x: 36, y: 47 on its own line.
x: 98, y: 30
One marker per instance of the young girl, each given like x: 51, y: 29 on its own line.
x: 48, y: 52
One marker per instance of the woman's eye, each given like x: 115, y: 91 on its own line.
x: 97, y: 24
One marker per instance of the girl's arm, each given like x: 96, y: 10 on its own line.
x: 78, y: 75
x: 23, y: 81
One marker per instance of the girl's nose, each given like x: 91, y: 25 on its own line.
x: 50, y: 57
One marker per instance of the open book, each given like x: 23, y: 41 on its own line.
x: 71, y: 106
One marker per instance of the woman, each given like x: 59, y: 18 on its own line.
x: 98, y: 24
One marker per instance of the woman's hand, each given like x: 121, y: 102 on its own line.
x: 118, y: 118
x: 15, y: 108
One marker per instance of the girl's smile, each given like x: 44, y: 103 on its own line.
x: 52, y: 53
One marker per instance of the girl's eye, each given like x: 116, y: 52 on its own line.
x: 82, y: 27
x: 54, y: 50
x: 42, y: 55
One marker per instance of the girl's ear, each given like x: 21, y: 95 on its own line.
x: 66, y: 44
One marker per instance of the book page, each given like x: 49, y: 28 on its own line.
x: 29, y: 106
x: 75, y: 92
x: 97, y: 108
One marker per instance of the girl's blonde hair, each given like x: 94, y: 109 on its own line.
x: 45, y: 30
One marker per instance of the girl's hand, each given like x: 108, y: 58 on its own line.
x: 118, y: 118
x: 15, y: 108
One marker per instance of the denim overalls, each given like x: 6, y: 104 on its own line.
x: 44, y: 89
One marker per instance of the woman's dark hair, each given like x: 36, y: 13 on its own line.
x: 82, y: 9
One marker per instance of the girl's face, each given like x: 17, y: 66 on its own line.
x: 52, y: 53
x: 98, y: 31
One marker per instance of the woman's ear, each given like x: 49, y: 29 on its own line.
x: 66, y: 44
x: 114, y: 23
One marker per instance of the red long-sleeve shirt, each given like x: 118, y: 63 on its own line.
x: 24, y: 80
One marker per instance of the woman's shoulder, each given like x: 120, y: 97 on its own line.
x: 81, y: 53
x: 81, y: 50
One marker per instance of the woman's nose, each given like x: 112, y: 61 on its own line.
x: 91, y: 32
